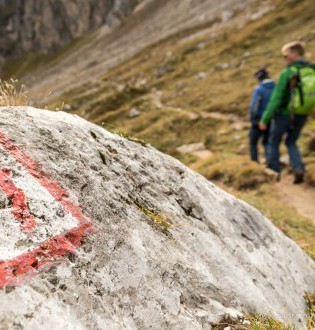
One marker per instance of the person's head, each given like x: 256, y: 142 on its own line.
x: 293, y: 51
x: 261, y: 74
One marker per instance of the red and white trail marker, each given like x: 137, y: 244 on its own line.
x: 40, y: 224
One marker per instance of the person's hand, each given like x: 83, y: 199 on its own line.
x: 262, y: 126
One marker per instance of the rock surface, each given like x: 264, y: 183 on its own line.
x: 44, y: 26
x: 221, y: 256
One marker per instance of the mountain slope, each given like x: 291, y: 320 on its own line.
x: 102, y: 50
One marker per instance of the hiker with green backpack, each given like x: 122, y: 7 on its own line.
x: 291, y: 102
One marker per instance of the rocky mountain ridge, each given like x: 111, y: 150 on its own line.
x: 45, y: 26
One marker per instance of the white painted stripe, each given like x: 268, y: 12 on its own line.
x: 50, y: 217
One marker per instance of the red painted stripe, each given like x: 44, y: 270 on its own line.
x: 17, y: 270
x: 19, y: 207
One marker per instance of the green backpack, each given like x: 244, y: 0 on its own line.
x: 302, y: 85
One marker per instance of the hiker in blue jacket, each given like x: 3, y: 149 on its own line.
x: 258, y: 105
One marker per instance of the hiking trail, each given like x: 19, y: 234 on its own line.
x: 301, y: 197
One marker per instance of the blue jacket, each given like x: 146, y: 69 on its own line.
x: 260, y: 99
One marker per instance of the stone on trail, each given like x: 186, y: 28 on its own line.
x: 168, y: 249
x: 197, y: 149
x: 134, y: 112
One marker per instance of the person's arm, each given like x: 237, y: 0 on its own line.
x: 277, y: 98
x: 254, y: 103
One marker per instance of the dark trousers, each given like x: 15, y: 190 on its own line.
x: 284, y: 126
x: 255, y: 134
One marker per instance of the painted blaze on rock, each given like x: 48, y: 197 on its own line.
x: 41, y: 222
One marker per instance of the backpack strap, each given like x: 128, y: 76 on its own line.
x: 295, y: 83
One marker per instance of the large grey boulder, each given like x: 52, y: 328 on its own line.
x: 221, y: 258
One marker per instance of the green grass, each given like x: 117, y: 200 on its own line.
x: 310, y: 300
x: 236, y: 172
x: 254, y: 322
x: 158, y: 219
x: 128, y: 136
x: 258, y: 321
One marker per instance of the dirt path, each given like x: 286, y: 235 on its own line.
x: 237, y: 122
x: 220, y: 116
x: 301, y: 197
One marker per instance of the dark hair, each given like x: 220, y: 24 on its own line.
x: 261, y: 74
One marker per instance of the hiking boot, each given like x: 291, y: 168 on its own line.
x: 273, y: 173
x: 298, y: 177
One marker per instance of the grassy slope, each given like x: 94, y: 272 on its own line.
x: 174, y: 104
